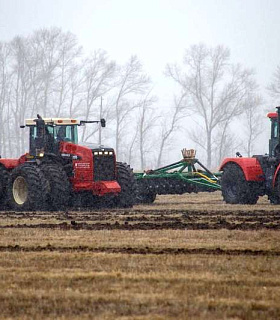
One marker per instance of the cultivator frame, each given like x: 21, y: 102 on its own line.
x: 177, y: 178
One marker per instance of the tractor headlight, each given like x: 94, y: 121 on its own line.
x: 40, y: 153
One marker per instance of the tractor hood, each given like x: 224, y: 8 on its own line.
x: 94, y: 146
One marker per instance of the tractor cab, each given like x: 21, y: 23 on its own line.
x: 274, y: 140
x: 46, y: 135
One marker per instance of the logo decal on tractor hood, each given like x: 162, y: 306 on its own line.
x: 84, y: 165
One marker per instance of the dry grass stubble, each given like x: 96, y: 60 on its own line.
x: 74, y: 274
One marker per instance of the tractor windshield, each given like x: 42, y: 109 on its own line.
x: 63, y: 133
x: 53, y: 135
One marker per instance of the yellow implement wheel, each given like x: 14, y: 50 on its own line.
x: 20, y: 190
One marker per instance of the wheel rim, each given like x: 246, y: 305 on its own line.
x: 20, y: 190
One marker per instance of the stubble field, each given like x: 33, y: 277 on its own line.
x: 184, y: 257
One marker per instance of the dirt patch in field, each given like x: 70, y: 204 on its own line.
x: 144, y: 220
x: 144, y: 251
x: 186, y: 212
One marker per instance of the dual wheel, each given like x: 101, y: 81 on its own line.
x: 235, y: 188
x: 33, y: 187
x: 46, y: 187
x: 126, y: 180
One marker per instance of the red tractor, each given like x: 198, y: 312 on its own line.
x: 57, y: 172
x: 245, y: 179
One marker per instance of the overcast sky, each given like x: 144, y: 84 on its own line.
x: 158, y: 31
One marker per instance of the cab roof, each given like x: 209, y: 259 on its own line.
x: 272, y: 115
x: 56, y: 121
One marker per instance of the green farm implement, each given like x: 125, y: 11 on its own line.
x: 185, y: 176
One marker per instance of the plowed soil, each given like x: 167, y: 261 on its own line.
x: 187, y: 212
x: 183, y: 257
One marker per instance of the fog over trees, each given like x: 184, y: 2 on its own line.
x: 215, y: 92
x: 48, y: 73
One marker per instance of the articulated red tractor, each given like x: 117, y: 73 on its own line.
x: 57, y: 172
x: 245, y: 179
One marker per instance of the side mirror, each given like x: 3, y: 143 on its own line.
x: 22, y: 127
x: 103, y: 122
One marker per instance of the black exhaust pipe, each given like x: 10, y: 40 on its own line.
x: 277, y: 147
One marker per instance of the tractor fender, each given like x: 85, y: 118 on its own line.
x: 275, y: 175
x: 12, y: 163
x: 9, y: 163
x: 250, y: 166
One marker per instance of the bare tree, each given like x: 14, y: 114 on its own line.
x: 215, y: 89
x: 169, y: 125
x: 274, y: 86
x: 98, y: 76
x: 253, y: 122
x: 226, y: 142
x: 146, y: 120
x: 131, y: 83
x: 5, y: 83
x: 55, y: 67
x: 46, y: 45
x: 47, y: 73
x: 21, y: 88
x: 68, y: 52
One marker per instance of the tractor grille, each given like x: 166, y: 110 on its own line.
x: 103, y: 167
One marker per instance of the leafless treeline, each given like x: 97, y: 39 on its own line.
x: 48, y: 73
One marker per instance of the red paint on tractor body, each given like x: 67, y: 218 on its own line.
x: 12, y: 163
x: 250, y: 166
x: 83, y: 169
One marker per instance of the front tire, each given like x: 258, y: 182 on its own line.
x: 126, y: 179
x: 27, y: 188
x: 235, y: 188
x: 58, y: 195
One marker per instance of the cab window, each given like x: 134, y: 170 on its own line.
x: 274, y: 131
x: 65, y: 133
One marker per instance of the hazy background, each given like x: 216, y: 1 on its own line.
x: 158, y: 32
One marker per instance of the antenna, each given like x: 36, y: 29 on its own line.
x: 101, y: 111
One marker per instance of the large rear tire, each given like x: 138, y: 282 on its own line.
x: 235, y: 188
x: 27, y: 188
x: 126, y: 179
x: 58, y: 195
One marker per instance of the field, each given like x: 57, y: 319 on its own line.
x: 184, y: 257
